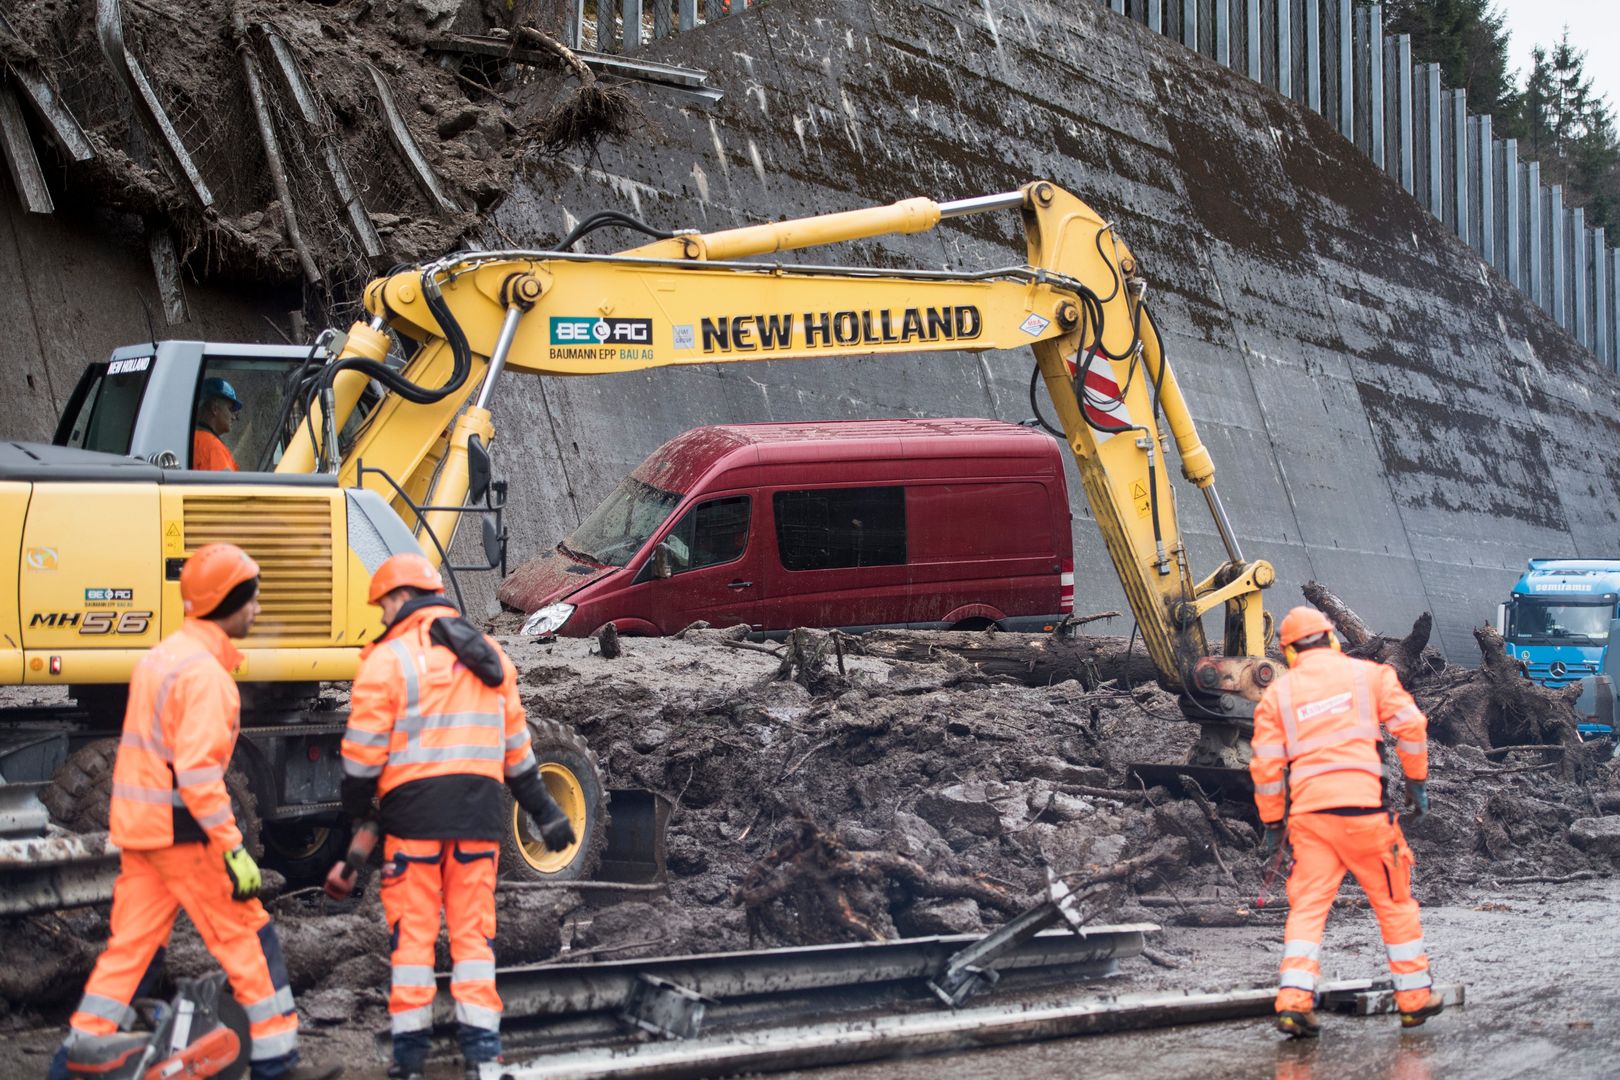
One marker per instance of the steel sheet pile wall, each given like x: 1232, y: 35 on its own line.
x: 1388, y: 415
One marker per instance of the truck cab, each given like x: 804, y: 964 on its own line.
x: 1557, y: 622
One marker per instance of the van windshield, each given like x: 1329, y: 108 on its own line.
x: 615, y: 531
x: 1567, y: 624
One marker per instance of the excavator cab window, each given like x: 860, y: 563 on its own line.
x: 102, y: 412
x: 240, y: 404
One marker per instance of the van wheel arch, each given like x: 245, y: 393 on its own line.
x: 974, y: 617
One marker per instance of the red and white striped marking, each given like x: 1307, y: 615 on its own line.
x: 1112, y: 416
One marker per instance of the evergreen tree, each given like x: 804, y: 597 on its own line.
x: 1566, y: 126
x: 1467, y: 38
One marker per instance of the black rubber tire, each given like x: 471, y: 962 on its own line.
x: 303, y: 852
x: 80, y: 796
x: 976, y: 623
x: 562, y: 745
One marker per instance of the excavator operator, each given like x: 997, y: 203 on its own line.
x: 171, y: 818
x: 1318, y: 777
x: 435, y: 726
x: 217, y: 410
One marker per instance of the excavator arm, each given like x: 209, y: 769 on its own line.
x: 693, y: 298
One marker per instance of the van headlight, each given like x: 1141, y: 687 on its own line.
x: 548, y: 620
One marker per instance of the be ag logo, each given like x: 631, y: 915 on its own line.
x: 603, y: 331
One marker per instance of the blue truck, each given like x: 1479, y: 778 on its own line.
x: 1557, y: 622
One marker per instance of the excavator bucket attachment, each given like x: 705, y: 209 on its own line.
x: 636, y: 846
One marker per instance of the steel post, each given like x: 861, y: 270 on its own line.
x: 630, y: 10
x: 1155, y: 16
x: 1223, y: 32
x: 1403, y: 107
x: 1578, y: 243
x: 1313, y: 55
x: 1600, y: 297
x: 1484, y: 165
x: 1433, y: 131
x: 1189, y: 24
x: 1556, y: 226
x: 1285, y: 48
x: 1614, y: 309
x: 687, y: 15
x: 1251, y: 38
x: 1347, y: 69
x: 1535, y: 266
x: 1459, y: 144
x: 1510, y: 212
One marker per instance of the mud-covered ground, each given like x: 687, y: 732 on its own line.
x: 978, y: 784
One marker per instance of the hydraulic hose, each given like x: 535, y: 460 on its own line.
x: 605, y: 218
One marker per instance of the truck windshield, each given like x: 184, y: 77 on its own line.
x: 1567, y: 624
x: 615, y: 531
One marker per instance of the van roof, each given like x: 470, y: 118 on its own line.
x: 688, y: 457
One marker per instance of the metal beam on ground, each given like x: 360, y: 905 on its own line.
x: 911, y: 1035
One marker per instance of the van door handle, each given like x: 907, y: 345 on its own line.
x: 740, y: 585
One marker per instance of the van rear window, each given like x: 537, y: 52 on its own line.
x: 830, y: 528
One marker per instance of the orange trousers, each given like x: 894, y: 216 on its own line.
x: 420, y: 879
x: 152, y: 887
x: 1371, y: 847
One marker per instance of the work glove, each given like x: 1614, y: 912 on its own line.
x: 1417, y: 799
x: 244, y: 872
x: 1273, y: 838
x: 556, y: 831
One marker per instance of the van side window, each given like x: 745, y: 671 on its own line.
x: 710, y: 533
x: 836, y: 527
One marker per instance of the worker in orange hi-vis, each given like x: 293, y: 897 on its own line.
x: 435, y: 728
x: 217, y: 409
x: 1318, y: 777
x: 171, y: 819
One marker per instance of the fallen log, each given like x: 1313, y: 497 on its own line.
x: 1032, y: 659
x: 1411, y: 656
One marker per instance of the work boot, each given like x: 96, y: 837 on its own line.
x: 1302, y: 1025
x: 1415, y: 1018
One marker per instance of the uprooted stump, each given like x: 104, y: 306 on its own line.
x: 1410, y: 656
x: 808, y: 660
x: 813, y: 890
x: 1495, y: 705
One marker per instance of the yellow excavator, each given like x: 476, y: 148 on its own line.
x: 377, y: 441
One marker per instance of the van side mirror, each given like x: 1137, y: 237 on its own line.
x: 663, y: 562
x: 1501, y: 620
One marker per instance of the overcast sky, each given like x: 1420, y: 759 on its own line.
x: 1594, y: 27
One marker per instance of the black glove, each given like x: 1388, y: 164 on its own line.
x: 1273, y: 838
x: 1417, y: 797
x: 556, y: 831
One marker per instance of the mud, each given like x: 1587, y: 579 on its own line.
x: 933, y: 766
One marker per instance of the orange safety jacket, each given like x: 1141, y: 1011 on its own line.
x: 209, y: 452
x: 1316, y: 730
x: 437, y: 740
x: 179, y: 734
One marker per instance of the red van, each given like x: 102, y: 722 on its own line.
x: 928, y: 524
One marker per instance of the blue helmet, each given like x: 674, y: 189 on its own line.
x: 219, y: 388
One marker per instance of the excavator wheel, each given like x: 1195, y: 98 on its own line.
x: 572, y: 776
x: 80, y: 795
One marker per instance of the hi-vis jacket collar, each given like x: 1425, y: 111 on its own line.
x: 215, y: 640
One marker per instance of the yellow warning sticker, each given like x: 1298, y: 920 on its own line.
x: 1139, y: 495
x: 172, y: 541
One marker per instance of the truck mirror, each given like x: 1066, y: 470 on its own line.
x: 494, y: 545
x: 478, y: 470
x: 1501, y: 620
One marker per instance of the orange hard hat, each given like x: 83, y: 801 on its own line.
x: 1302, y: 622
x: 210, y: 574
x: 398, y: 571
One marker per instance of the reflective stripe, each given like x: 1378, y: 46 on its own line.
x: 417, y: 1019
x: 1334, y: 738
x: 1309, y: 949
x: 352, y: 767
x: 407, y: 668
x: 523, y: 767
x: 1406, y: 747
x: 473, y: 971
x: 1295, y: 979
x: 450, y: 720
x: 1407, y: 712
x: 1269, y: 750
x: 365, y: 738
x: 1411, y: 950
x: 140, y: 742
x: 155, y: 796
x: 514, y: 741
x: 1285, y: 709
x: 416, y: 755
x: 108, y: 1009
x: 477, y: 1016
x: 266, y: 1009
x: 217, y: 818
x: 1301, y: 772
x: 274, y: 1046
x: 162, y: 696
x: 412, y: 974
x: 1269, y: 789
x: 193, y: 777
x: 1412, y: 980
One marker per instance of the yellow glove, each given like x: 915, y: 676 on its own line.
x: 244, y: 872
